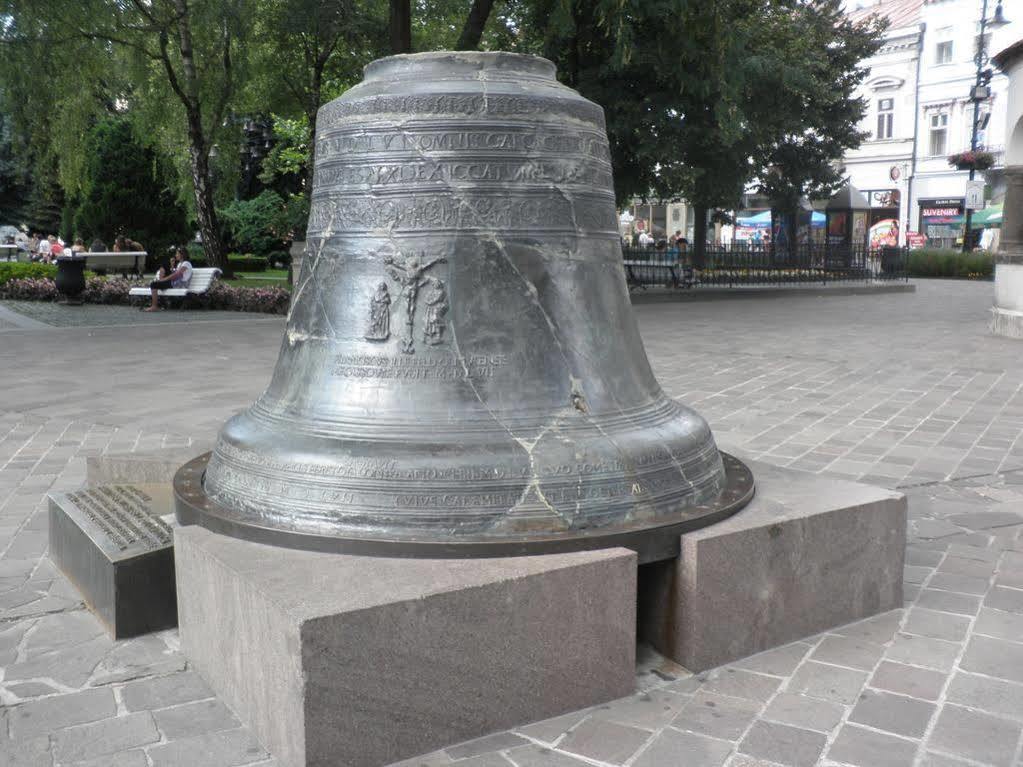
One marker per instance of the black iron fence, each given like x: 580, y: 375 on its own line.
x: 738, y: 265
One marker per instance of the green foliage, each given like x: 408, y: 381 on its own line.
x: 13, y: 175
x: 933, y: 262
x: 279, y: 258
x: 14, y: 270
x: 819, y: 111
x: 290, y: 154
x: 266, y: 223
x: 45, y: 204
x: 126, y: 191
x: 247, y: 262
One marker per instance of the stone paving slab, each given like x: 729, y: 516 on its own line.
x: 907, y: 391
x: 36, y: 314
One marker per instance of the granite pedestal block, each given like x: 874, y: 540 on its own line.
x: 114, y: 543
x: 145, y: 466
x: 809, y: 553
x: 342, y: 660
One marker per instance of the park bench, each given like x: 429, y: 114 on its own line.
x: 202, y: 280
x: 112, y: 261
x: 640, y: 273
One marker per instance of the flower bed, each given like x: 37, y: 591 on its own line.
x: 16, y: 270
x: 269, y: 300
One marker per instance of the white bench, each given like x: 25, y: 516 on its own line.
x: 123, y: 261
x: 202, y: 280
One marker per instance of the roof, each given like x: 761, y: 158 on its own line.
x: 1006, y: 58
x: 848, y: 198
x: 900, y: 13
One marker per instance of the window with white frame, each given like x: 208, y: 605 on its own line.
x: 885, y: 117
x: 943, y: 52
x: 939, y: 134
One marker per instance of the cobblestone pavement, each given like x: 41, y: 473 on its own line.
x: 903, y: 390
x: 27, y: 314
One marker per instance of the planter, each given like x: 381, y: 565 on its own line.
x: 70, y: 279
x: 972, y: 161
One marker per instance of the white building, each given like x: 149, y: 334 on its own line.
x: 920, y: 112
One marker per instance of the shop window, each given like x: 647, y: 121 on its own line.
x: 943, y: 52
x: 939, y: 135
x: 885, y: 117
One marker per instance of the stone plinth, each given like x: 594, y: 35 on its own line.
x: 336, y: 659
x: 809, y: 553
x: 1007, y: 312
x: 113, y: 542
x: 146, y: 466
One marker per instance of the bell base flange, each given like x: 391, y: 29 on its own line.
x: 652, y: 541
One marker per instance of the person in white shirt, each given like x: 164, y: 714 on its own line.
x: 44, y: 249
x: 178, y: 278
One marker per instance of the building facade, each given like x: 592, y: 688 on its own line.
x: 920, y: 112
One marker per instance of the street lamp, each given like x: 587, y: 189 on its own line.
x: 981, y: 91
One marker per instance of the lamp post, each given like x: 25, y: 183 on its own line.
x: 981, y: 91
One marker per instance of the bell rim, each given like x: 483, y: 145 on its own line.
x: 466, y: 63
x: 652, y: 540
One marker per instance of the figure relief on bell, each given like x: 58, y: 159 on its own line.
x: 379, y: 315
x: 409, y: 273
x: 436, y: 308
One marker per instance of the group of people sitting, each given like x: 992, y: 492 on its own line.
x: 47, y: 249
x: 675, y: 242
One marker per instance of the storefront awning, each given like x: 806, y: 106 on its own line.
x: 989, y: 217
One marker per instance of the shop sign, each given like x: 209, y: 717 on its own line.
x: 884, y: 198
x: 975, y: 194
x: 941, y: 208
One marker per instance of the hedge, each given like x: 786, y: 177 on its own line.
x: 931, y: 262
x: 247, y: 262
x: 271, y: 300
x: 14, y: 270
x: 240, y: 262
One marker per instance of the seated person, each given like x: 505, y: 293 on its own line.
x: 98, y: 246
x: 43, y: 249
x: 126, y: 245
x: 178, y: 278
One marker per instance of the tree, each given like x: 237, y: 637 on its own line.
x: 475, y: 23
x: 13, y: 179
x: 127, y: 191
x: 430, y: 22
x: 687, y: 127
x: 312, y: 51
x: 824, y: 113
x: 712, y: 87
x: 175, y: 48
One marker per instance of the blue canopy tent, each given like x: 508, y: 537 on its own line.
x: 762, y: 220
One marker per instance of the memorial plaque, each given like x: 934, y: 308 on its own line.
x: 115, y: 544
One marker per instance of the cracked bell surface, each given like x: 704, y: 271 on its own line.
x: 461, y: 361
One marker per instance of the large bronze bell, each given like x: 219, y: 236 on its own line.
x: 462, y: 374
